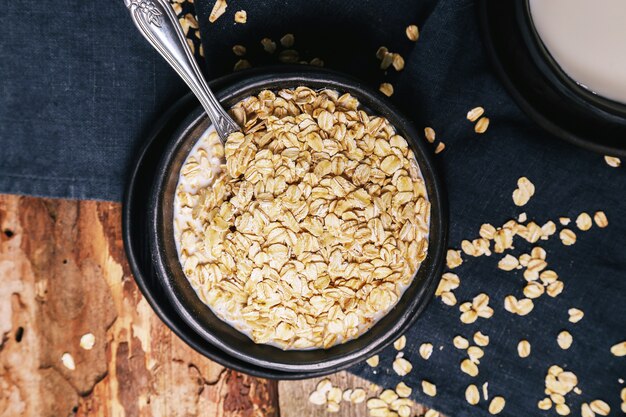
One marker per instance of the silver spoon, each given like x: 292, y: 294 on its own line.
x: 158, y: 23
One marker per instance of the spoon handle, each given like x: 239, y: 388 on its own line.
x: 158, y: 23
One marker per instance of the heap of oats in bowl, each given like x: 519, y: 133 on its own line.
x: 311, y: 228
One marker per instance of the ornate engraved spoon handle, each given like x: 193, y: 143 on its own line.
x: 158, y: 23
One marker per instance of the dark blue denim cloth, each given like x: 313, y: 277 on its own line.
x: 79, y: 88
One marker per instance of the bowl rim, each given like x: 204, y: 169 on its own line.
x: 500, y: 30
x: 321, y: 359
x: 551, y: 69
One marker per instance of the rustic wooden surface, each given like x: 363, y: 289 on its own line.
x: 63, y: 273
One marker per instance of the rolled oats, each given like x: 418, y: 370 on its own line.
x: 600, y: 219
x: 429, y: 388
x: 403, y: 390
x: 567, y: 237
x: 583, y: 222
x: 412, y: 32
x: 523, y: 349
x: 313, y: 226
x: 524, y: 191
x: 575, y: 315
x: 496, y: 405
x: 564, y: 339
x: 481, y: 339
x: 481, y: 125
x: 619, y: 349
x: 612, y: 161
x: 475, y: 113
x: 218, y: 9
x: 241, y: 16
x: 400, y: 343
x: 401, y: 366
x: 386, y: 89
x: 426, y: 349
x: 373, y: 361
x: 472, y: 396
x: 453, y: 258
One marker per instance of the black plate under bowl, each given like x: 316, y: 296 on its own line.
x: 135, y: 235
x: 541, y: 88
x: 218, y: 333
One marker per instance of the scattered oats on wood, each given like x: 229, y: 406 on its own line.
x: 508, y: 263
x: 583, y: 222
x: 218, y: 9
x: 564, y: 220
x: 317, y: 398
x: 334, y: 395
x: 548, y: 229
x: 358, y: 396
x: 400, y: 343
x: 440, y: 147
x: 403, y: 390
x: 460, y: 342
x: 567, y: 237
x: 600, y: 407
x: 412, y: 32
x: 373, y: 361
x: 522, y: 217
x: 324, y: 386
x: 269, y: 45
x: 288, y: 40
x: 345, y: 396
x: 239, y: 50
x: 545, y: 404
x: 429, y: 388
x: 68, y: 361
x: 496, y: 405
x: 402, y: 367
x: 241, y: 16
x: 374, y: 403
x: 523, y: 349
x: 453, y: 258
x: 403, y: 411
x: 472, y: 396
x: 612, y: 161
x: 469, y: 367
x: 386, y: 89
x: 475, y: 113
x: 482, y: 125
x: 524, y: 306
x: 619, y: 349
x: 524, y: 191
x: 564, y: 339
x: 397, y: 62
x: 388, y: 396
x: 600, y: 219
x: 575, y: 315
x: 87, y: 341
x: 481, y: 339
x: 429, y: 134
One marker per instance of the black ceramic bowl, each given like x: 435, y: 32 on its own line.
x: 200, y: 317
x: 541, y: 88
